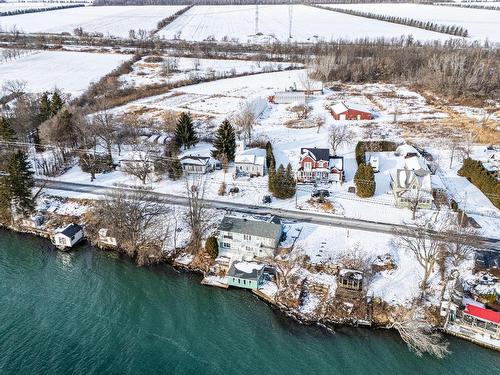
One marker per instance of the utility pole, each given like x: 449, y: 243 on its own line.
x: 256, y: 17
x: 290, y: 14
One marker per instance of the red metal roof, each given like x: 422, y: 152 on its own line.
x: 481, y: 313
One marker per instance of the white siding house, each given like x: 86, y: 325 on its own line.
x: 195, y: 164
x: 251, y: 162
x: 68, y: 237
x: 248, y: 238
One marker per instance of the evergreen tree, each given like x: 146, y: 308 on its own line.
x: 225, y: 142
x: 44, y: 108
x: 185, y: 135
x: 212, y: 247
x: 7, y: 134
x: 271, y: 178
x: 365, y: 181
x: 279, y: 188
x: 269, y: 155
x: 5, y: 208
x: 56, y: 104
x: 20, y: 182
x: 289, y: 183
x: 175, y: 169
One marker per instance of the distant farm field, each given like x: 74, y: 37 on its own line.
x: 70, y: 72
x: 237, y: 23
x: 109, y: 20
x: 481, y: 23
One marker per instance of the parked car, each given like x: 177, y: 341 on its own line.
x: 320, y: 193
x: 234, y: 190
x: 266, y: 199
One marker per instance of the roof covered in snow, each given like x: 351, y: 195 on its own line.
x: 255, y: 156
x: 251, y: 227
x: 195, y: 160
x: 342, y: 107
x: 245, y: 270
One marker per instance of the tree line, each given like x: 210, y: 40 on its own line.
x: 38, y: 10
x: 471, y: 6
x: 426, y: 25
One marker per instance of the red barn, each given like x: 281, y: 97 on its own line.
x: 343, y: 111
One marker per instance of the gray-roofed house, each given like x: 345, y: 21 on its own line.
x: 412, y: 183
x: 248, y: 238
x: 68, y: 236
x: 245, y: 274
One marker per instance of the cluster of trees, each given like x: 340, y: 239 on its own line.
x: 452, y: 72
x: 282, y: 181
x: 9, y: 54
x: 472, y: 6
x: 485, y: 181
x: 364, y: 179
x: 37, y: 10
x: 445, y: 29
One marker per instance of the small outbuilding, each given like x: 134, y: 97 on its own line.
x: 349, y: 283
x: 481, y: 320
x: 247, y: 275
x: 251, y: 162
x: 343, y: 111
x: 68, y: 237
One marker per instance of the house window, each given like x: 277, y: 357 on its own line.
x: 244, y: 282
x: 226, y: 244
x: 62, y: 240
x: 247, y: 237
x: 307, y: 166
x: 228, y: 236
x: 239, y: 281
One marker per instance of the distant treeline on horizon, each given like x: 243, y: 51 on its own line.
x: 243, y: 2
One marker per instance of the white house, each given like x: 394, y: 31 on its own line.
x: 106, y: 238
x: 196, y: 164
x: 248, y: 238
x: 68, y: 237
x: 412, y: 182
x: 251, y: 162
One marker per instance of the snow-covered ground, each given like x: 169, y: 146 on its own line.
x: 71, y: 72
x: 237, y: 23
x: 10, y: 6
x: 148, y: 73
x: 482, y: 24
x: 108, y: 20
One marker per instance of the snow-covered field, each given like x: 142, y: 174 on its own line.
x: 148, y: 73
x: 9, y: 6
x: 481, y: 24
x: 237, y: 23
x: 71, y: 72
x: 108, y: 20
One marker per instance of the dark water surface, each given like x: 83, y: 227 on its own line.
x: 90, y: 312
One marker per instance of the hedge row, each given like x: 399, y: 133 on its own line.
x: 37, y: 10
x: 485, y: 181
x: 379, y: 146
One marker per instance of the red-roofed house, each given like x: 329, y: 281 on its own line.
x: 482, y: 320
x: 343, y: 111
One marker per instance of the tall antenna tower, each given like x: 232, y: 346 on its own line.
x: 290, y: 15
x: 256, y: 17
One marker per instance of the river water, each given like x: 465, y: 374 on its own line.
x: 90, y: 312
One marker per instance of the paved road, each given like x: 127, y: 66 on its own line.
x: 309, y: 217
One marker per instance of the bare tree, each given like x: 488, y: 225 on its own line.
x: 14, y: 87
x: 244, y: 121
x: 307, y: 82
x: 300, y: 110
x: 142, y: 163
x: 461, y: 239
x: 319, y: 121
x: 420, y: 336
x: 425, y: 241
x: 196, y: 213
x: 415, y: 197
x: 138, y: 221
x: 106, y: 129
x: 338, y: 136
